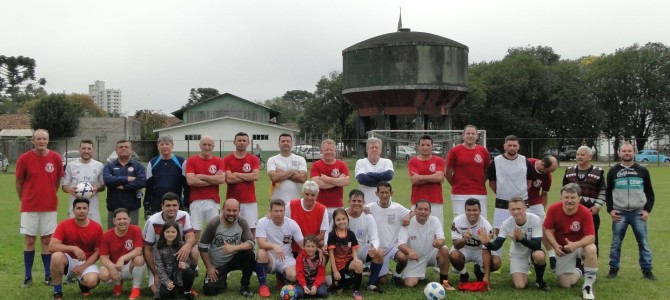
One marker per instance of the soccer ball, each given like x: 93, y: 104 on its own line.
x: 84, y: 190
x: 287, y: 292
x: 434, y: 291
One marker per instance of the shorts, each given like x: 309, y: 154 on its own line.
x: 363, y: 252
x: 278, y: 266
x: 566, y: 264
x: 38, y: 223
x: 458, y: 204
x: 471, y: 255
x: 125, y: 273
x: 72, y: 263
x: 202, y: 211
x: 538, y: 210
x: 417, y: 269
x: 499, y: 216
x: 519, y: 264
x: 436, y: 209
x: 388, y: 256
x: 249, y: 211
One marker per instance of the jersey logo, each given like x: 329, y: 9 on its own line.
x: 130, y: 169
x: 335, y: 173
x: 575, y: 226
x: 246, y: 168
x: 212, y: 169
x: 49, y: 168
x: 537, y: 183
x: 625, y: 172
x: 287, y: 239
x: 478, y: 158
x: 128, y: 245
x: 432, y: 168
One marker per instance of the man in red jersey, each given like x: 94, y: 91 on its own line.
x: 331, y: 175
x: 540, y: 183
x: 426, y: 172
x: 38, y: 175
x: 241, y: 172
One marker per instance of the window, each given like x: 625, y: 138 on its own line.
x: 260, y: 137
x: 192, y: 137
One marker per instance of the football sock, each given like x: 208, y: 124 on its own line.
x: 444, y: 277
x: 358, y: 278
x: 374, y: 273
x: 551, y: 253
x: 28, y: 259
x: 539, y: 272
x: 58, y: 288
x: 138, y: 275
x: 46, y: 260
x: 261, y: 273
x: 463, y: 271
x: 590, y: 275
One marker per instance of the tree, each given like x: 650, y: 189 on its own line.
x: 329, y: 110
x: 57, y: 115
x: 291, y: 105
x: 200, y: 94
x: 85, y: 105
x: 18, y: 83
x: 150, y: 120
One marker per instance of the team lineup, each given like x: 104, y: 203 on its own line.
x: 313, y: 239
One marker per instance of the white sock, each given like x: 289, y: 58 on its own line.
x: 590, y: 275
x: 138, y: 275
x: 551, y: 253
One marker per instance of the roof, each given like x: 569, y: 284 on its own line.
x: 15, y: 121
x: 16, y: 132
x: 180, y: 113
x: 405, y: 38
x: 224, y: 118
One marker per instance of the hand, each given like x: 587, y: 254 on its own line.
x: 644, y: 215
x: 366, y: 210
x: 170, y: 285
x: 78, y: 270
x: 79, y: 254
x: 413, y: 255
x: 484, y: 236
x: 184, y: 252
x: 518, y: 234
x: 307, y: 290
x: 227, y: 248
x: 119, y: 265
x: 559, y: 251
x: 373, y: 251
x: 131, y: 178
x: 615, y: 215
x: 213, y: 274
x: 313, y: 291
x: 114, y: 274
x: 594, y: 210
x: 413, y: 178
x: 569, y: 246
x: 336, y: 275
x: 182, y: 265
x: 279, y: 252
x: 405, y: 221
x: 438, y: 243
x: 467, y: 235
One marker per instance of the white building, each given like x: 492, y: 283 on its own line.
x: 108, y: 99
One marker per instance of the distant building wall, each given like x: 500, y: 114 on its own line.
x: 103, y: 131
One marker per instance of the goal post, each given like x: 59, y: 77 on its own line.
x: 401, y: 144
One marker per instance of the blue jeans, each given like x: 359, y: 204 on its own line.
x: 619, y: 228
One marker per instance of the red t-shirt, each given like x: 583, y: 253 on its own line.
x: 198, y: 165
x: 469, y: 167
x: 538, y: 182
x: 40, y: 175
x: 330, y: 197
x: 574, y: 227
x: 308, y: 221
x: 116, y: 246
x: 244, y: 192
x: 87, y: 238
x: 431, y: 191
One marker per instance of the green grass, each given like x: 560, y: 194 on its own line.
x: 628, y: 285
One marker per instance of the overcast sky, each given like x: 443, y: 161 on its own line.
x: 156, y: 51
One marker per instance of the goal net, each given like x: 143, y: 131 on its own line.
x: 401, y: 144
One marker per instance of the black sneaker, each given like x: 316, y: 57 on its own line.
x: 612, y: 273
x: 648, y: 275
x: 552, y: 264
x: 57, y: 296
x: 543, y: 286
x: 398, y: 282
x: 478, y: 273
x: 47, y: 280
x: 27, y: 282
x: 375, y: 289
x: 85, y: 290
x: 245, y: 291
x: 464, y: 277
x: 366, y: 271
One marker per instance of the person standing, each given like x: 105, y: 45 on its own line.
x: 426, y: 173
x: 38, y: 175
x: 331, y: 175
x: 538, y: 191
x: 466, y: 171
x: 125, y: 178
x: 372, y: 170
x: 287, y: 171
x: 241, y: 173
x: 85, y: 169
x: 165, y: 173
x: 630, y: 199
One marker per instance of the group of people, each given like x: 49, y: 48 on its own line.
x: 308, y: 227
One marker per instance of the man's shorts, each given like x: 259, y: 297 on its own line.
x: 417, y: 269
x: 249, y: 211
x: 566, y: 264
x: 278, y: 266
x: 388, y: 256
x: 363, y: 252
x: 471, y: 255
x: 538, y: 210
x: 202, y: 211
x: 458, y: 204
x: 125, y: 273
x: 41, y: 223
x: 520, y: 264
x: 72, y: 263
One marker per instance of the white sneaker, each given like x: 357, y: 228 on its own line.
x: 587, y: 293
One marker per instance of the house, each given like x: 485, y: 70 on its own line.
x: 221, y: 117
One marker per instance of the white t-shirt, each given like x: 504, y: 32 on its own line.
x: 461, y: 225
x: 286, y: 190
x: 363, y: 166
x: 389, y: 221
x: 76, y: 172
x: 153, y: 226
x: 283, y: 234
x: 325, y: 223
x: 365, y: 229
x: 421, y: 237
x: 531, y: 229
x: 511, y: 177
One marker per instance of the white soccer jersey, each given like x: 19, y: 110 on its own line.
x: 531, y: 229
x: 286, y: 190
x: 76, y: 172
x: 363, y: 166
x: 365, y: 229
x: 389, y: 221
x: 511, y: 179
x: 283, y: 235
x: 461, y: 225
x: 153, y: 226
x: 421, y: 237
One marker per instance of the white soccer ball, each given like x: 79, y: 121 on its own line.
x: 84, y: 190
x: 434, y: 291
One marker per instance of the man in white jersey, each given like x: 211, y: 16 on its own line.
x: 274, y: 236
x: 389, y: 217
x: 525, y: 230
x: 84, y: 169
x: 286, y: 171
x: 468, y: 247
x: 422, y: 245
x: 373, y: 169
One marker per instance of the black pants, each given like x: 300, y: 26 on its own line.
x: 596, y: 224
x: 243, y: 260
x: 187, y: 277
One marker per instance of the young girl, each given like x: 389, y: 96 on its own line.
x: 342, y: 249
x: 311, y: 273
x: 171, y: 272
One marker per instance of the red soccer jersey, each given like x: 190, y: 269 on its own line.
x: 330, y: 197
x: 116, y: 246
x: 469, y: 167
x: 198, y: 165
x: 573, y: 228
x: 538, y: 182
x: 431, y: 191
x: 87, y: 238
x: 244, y: 192
x: 308, y: 221
x: 40, y: 175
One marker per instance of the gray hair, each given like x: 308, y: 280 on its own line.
x: 311, y: 186
x: 571, y: 188
x: 373, y: 140
x: 586, y: 149
x: 165, y: 138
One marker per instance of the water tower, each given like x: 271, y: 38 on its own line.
x: 404, y: 73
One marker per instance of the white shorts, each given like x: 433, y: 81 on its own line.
x: 363, y: 251
x: 278, y: 266
x: 39, y: 223
x: 436, y: 210
x: 202, y: 211
x: 458, y: 204
x: 471, y: 255
x: 519, y: 264
x: 417, y: 269
x: 566, y: 264
x: 538, y: 210
x: 249, y: 211
x: 72, y: 263
x: 500, y: 216
x: 125, y: 273
x: 388, y: 256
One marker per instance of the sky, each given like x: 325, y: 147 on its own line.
x: 156, y: 51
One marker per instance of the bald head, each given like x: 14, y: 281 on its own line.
x: 230, y: 211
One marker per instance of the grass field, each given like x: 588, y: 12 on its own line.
x: 628, y: 285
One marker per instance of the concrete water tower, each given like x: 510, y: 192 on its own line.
x: 404, y: 73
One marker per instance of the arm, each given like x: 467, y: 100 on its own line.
x: 322, y: 184
x: 111, y: 180
x: 149, y: 259
x: 533, y: 244
x: 423, y: 179
x: 492, y: 176
x: 19, y: 186
x: 342, y: 180
x: 140, y: 178
x: 449, y: 175
x: 300, y: 270
x: 649, y: 192
x: 195, y: 181
x: 609, y: 200
x: 161, y: 266
x: 549, y: 235
x: 366, y: 179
